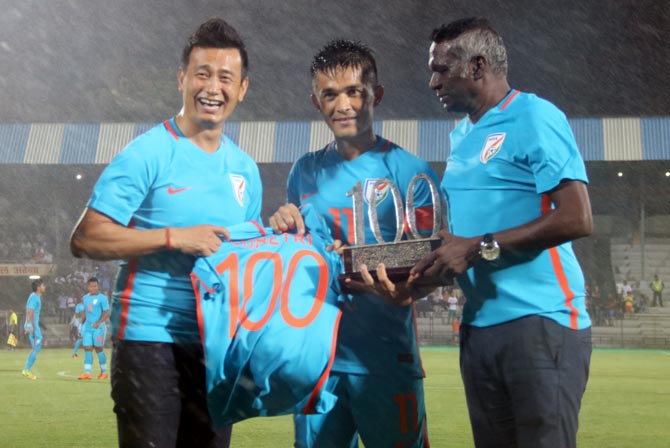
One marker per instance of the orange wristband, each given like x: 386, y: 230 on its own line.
x: 167, y: 238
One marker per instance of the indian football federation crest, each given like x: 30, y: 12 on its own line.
x: 492, y: 146
x: 239, y: 184
x: 379, y: 194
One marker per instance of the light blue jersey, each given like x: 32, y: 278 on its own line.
x: 164, y: 180
x: 375, y: 337
x: 268, y: 311
x: 497, y: 177
x: 93, y: 307
x: 34, y: 303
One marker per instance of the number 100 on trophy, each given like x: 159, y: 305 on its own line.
x: 398, y: 256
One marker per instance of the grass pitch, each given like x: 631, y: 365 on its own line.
x: 627, y: 404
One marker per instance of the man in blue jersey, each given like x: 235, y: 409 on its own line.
x: 94, y: 329
x: 377, y: 375
x: 164, y: 200
x: 32, y: 325
x: 515, y: 185
x: 76, y: 324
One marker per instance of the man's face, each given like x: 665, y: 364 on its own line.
x: 451, y: 78
x: 41, y: 289
x: 93, y: 288
x: 212, y: 85
x: 345, y: 101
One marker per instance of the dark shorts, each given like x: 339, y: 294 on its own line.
x: 524, y: 382
x: 160, y: 398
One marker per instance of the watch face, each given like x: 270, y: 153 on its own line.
x: 490, y: 251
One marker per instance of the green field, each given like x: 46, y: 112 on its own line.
x: 627, y: 404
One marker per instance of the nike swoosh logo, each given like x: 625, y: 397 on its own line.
x: 177, y: 190
x: 305, y: 196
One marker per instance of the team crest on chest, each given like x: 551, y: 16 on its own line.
x: 378, y: 195
x: 492, y: 146
x: 239, y: 184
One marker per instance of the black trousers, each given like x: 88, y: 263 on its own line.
x: 160, y: 397
x: 524, y: 382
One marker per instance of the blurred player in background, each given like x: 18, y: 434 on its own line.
x: 94, y: 330
x: 32, y: 325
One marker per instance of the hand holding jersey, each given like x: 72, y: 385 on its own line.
x: 289, y: 218
x: 269, y: 345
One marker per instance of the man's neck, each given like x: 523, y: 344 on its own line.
x: 490, y: 99
x: 208, y: 140
x: 351, y: 148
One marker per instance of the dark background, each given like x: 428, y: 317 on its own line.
x: 116, y: 61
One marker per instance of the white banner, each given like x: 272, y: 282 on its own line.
x: 22, y: 270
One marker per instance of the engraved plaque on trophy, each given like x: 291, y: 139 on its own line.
x: 398, y: 256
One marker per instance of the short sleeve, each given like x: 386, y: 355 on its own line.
x: 553, y: 154
x: 123, y: 185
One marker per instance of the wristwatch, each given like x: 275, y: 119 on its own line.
x: 489, y: 248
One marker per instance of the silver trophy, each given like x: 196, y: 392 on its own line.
x: 398, y: 256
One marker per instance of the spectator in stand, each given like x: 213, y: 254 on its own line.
x: 657, y: 290
x: 452, y: 306
x: 628, y: 302
x: 626, y: 289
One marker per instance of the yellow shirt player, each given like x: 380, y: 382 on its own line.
x: 13, y: 325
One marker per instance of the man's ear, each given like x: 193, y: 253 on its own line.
x: 180, y: 79
x: 243, y: 89
x: 379, y: 94
x: 479, y: 67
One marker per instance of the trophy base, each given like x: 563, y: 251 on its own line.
x: 398, y: 258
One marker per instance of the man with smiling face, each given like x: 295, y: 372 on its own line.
x: 377, y: 373
x: 164, y: 200
x: 515, y: 185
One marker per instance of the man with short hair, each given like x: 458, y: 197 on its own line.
x: 163, y: 201
x: 32, y: 326
x: 515, y: 184
x: 377, y: 374
x: 94, y: 330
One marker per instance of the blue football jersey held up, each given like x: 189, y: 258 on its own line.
x: 268, y: 314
